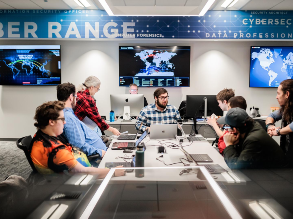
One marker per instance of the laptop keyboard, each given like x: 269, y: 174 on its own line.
x: 201, y: 158
x: 126, y: 137
x: 214, y: 168
x: 193, y: 138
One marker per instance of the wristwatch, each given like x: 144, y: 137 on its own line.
x: 278, y: 132
x: 269, y: 124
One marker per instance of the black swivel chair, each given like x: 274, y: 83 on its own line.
x: 24, y: 144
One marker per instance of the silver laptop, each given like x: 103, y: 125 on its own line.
x: 160, y: 131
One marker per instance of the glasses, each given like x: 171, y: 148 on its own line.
x: 133, y: 90
x: 62, y: 119
x: 98, y: 88
x: 228, y: 128
x: 75, y: 97
x: 163, y: 98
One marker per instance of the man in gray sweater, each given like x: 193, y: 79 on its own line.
x: 248, y: 144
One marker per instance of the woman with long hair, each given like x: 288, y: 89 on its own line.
x: 285, y: 99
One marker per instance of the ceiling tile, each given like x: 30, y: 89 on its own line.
x: 140, y: 2
x: 193, y: 2
x: 51, y: 4
x: 261, y: 4
x: 118, y: 2
x: 171, y: 2
x: 285, y: 5
x: 5, y: 6
x: 21, y: 4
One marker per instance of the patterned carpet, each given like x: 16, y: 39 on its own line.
x: 12, y: 161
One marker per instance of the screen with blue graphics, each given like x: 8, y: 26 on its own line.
x: 30, y: 65
x: 154, y: 66
x: 270, y: 65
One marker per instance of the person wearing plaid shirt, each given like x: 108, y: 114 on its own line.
x: 159, y: 112
x: 86, y: 105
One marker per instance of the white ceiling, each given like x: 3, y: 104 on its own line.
x: 70, y: 4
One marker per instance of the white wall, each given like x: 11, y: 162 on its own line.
x: 214, y: 65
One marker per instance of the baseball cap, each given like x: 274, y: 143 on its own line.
x: 235, y: 117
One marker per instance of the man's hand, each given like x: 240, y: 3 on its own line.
x: 212, y: 121
x: 114, y: 131
x: 271, y: 130
x: 231, y: 139
x: 119, y: 172
x: 103, y: 153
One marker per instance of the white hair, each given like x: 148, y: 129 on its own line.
x: 91, y: 81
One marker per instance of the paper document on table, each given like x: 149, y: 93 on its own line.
x: 90, y: 123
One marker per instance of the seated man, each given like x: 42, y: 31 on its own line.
x: 77, y: 133
x: 159, y: 112
x: 233, y: 102
x: 50, y: 152
x: 133, y: 89
x: 247, y: 144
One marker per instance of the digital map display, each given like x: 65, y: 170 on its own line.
x: 166, y: 66
x: 30, y: 65
x: 269, y: 66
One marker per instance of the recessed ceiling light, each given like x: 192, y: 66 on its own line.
x: 85, y: 3
x: 229, y: 3
x: 106, y: 7
x: 79, y: 4
x: 206, y: 7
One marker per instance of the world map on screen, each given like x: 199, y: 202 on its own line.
x: 270, y: 66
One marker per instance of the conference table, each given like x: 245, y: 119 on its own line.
x: 181, y: 190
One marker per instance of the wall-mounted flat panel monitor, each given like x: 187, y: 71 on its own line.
x: 270, y: 65
x: 154, y: 66
x: 30, y: 65
x: 195, y: 106
x: 134, y: 101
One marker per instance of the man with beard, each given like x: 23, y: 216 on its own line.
x: 77, y: 133
x: 159, y: 112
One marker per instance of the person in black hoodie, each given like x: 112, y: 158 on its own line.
x: 248, y: 144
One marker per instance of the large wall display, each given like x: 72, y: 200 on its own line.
x: 58, y: 24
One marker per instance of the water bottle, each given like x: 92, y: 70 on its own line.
x: 112, y: 116
x: 139, y: 161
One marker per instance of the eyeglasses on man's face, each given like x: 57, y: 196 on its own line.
x: 164, y: 98
x: 62, y: 119
x: 228, y: 128
x: 133, y: 90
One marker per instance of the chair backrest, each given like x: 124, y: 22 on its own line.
x: 24, y: 144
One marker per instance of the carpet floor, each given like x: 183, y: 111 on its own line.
x: 13, y: 161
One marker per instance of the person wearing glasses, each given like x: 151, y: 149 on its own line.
x: 159, y: 112
x: 247, y: 143
x: 50, y: 151
x: 77, y: 133
x: 86, y: 105
x: 133, y: 89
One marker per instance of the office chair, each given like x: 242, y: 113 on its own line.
x: 24, y: 144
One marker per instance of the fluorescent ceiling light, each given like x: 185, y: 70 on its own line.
x: 261, y: 213
x: 80, y: 180
x: 59, y: 212
x: 50, y: 211
x: 227, y: 177
x: 86, y: 180
x: 85, y: 3
x: 106, y: 7
x: 79, y: 4
x: 233, y: 175
x: 229, y: 3
x: 233, y: 3
x: 269, y: 210
x: 206, y: 7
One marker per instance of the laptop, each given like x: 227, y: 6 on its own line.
x: 160, y: 131
x: 128, y: 145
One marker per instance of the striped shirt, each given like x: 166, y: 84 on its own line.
x: 152, y: 115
